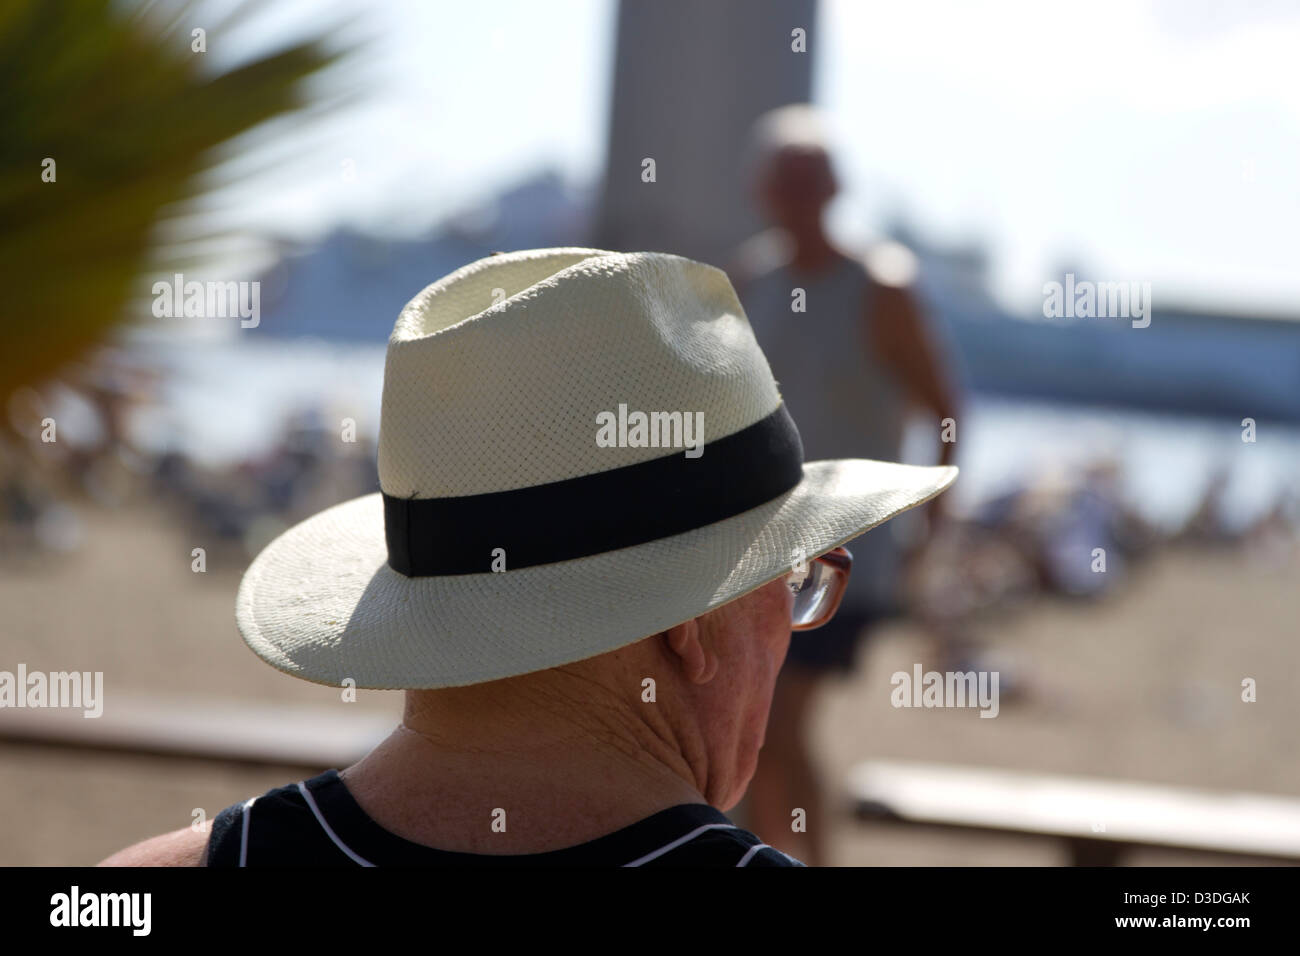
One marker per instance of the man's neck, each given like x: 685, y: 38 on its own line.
x: 813, y: 254
x: 526, y: 797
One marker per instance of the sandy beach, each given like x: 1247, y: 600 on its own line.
x: 1143, y: 686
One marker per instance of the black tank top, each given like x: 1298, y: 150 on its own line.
x: 317, y: 823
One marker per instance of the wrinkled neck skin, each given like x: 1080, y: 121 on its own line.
x: 565, y: 759
x: 576, y: 752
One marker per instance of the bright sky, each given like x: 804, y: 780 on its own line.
x: 1155, y: 141
x: 1147, y: 140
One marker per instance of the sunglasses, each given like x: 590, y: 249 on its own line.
x: 818, y: 589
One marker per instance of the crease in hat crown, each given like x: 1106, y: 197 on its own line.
x: 495, y: 374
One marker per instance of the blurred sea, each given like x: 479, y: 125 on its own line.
x: 226, y: 401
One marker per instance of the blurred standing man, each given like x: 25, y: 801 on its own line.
x: 849, y: 350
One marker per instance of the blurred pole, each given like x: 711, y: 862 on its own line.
x: 690, y: 79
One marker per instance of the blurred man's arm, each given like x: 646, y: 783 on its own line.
x: 183, y: 847
x: 898, y: 334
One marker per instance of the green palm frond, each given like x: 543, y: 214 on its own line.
x: 132, y: 118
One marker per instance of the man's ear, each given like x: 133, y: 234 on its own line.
x: 698, y: 662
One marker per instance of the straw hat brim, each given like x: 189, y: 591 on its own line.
x: 321, y: 603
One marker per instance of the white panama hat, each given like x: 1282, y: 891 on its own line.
x: 500, y: 387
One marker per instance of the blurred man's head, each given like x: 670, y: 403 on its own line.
x: 791, y: 169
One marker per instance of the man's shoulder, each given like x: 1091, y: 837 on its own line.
x: 212, y: 842
x: 759, y: 257
x: 890, y: 264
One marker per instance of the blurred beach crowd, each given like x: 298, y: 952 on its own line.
x: 234, y: 509
x: 1067, y: 532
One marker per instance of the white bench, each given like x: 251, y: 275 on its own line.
x: 210, y: 729
x: 1099, y: 820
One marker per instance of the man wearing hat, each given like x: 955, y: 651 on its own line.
x: 588, y: 622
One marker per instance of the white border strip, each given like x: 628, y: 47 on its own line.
x: 744, y: 860
x: 679, y: 841
x: 243, y: 831
x: 329, y: 832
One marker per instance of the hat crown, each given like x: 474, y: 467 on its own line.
x: 497, y: 375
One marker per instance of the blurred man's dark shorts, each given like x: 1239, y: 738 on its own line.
x: 830, y: 648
